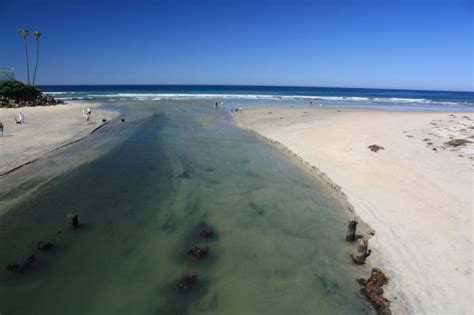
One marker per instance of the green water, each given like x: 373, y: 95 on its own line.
x: 279, y: 247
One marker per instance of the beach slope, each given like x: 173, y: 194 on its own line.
x: 45, y: 129
x: 416, y: 193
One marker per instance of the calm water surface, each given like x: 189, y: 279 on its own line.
x: 279, y: 247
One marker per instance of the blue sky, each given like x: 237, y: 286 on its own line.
x: 387, y: 44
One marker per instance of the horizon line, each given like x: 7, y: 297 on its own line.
x: 258, y: 85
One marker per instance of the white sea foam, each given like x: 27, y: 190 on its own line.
x: 401, y: 100
x: 60, y: 93
x: 322, y: 99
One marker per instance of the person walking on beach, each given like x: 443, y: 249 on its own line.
x: 88, y: 114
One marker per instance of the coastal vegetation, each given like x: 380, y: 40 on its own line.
x: 17, y: 94
x: 14, y: 93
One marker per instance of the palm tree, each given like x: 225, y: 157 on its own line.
x: 24, y: 32
x: 37, y: 35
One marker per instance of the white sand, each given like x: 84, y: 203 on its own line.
x: 418, y: 201
x: 45, y: 129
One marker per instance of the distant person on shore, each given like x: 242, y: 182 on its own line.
x: 87, y: 113
x: 217, y: 104
x: 20, y: 119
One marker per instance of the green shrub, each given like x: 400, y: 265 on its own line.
x: 19, y: 91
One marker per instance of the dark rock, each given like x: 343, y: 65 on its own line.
x: 104, y: 120
x: 31, y: 259
x: 13, y: 268
x: 187, y: 283
x: 206, y: 233
x: 73, y: 220
x: 20, y: 268
x: 38, y: 100
x: 373, y: 291
x: 44, y: 245
x: 198, y: 252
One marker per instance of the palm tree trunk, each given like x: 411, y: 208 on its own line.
x: 27, y: 61
x: 37, y: 60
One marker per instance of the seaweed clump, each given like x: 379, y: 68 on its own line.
x: 373, y: 291
x: 375, y: 147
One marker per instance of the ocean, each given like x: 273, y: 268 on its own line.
x: 260, y: 95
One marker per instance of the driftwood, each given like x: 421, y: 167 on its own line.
x: 351, y: 231
x: 373, y: 291
x: 362, y: 252
x: 73, y: 220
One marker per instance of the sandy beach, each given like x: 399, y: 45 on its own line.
x: 45, y: 129
x: 416, y: 194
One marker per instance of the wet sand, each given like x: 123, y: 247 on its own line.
x: 46, y: 128
x: 416, y: 193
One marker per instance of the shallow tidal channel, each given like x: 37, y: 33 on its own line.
x: 278, y: 246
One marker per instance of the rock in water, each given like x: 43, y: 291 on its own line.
x: 73, y: 220
x: 187, y: 283
x: 206, y: 233
x: 44, y: 245
x: 20, y: 268
x: 198, y: 252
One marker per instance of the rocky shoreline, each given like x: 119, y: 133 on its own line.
x: 39, y: 100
